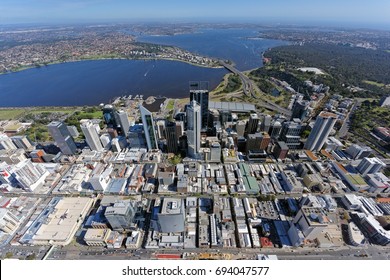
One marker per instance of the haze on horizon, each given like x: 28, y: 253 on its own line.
x: 360, y: 13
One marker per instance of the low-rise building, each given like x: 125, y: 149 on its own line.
x: 97, y: 237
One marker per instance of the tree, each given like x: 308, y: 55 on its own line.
x: 31, y: 257
x: 9, y: 255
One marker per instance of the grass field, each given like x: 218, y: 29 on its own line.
x: 170, y: 104
x: 13, y: 114
x: 10, y: 114
x: 373, y: 83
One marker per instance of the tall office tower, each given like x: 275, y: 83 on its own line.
x: 257, y: 141
x: 150, y: 132
x: 300, y: 109
x: 91, y: 136
x: 370, y: 166
x: 193, y: 128
x: 320, y: 132
x: 22, y: 142
x: 280, y: 150
x: 6, y: 143
x: 124, y: 124
x: 73, y: 131
x: 60, y: 133
x: 290, y: 134
x: 161, y: 129
x: 109, y: 116
x: 240, y: 128
x: 252, y: 124
x: 202, y: 98
x: 266, y: 123
x: 171, y: 136
x: 105, y: 139
x: 24, y: 175
x: 275, y: 130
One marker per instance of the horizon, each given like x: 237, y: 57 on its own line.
x: 356, y: 14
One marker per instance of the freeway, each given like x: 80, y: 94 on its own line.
x: 250, y: 90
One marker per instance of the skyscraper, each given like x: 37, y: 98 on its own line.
x: 124, y: 123
x: 91, y: 136
x: 252, y: 124
x: 193, y: 128
x: 117, y: 120
x: 22, y: 142
x: 202, y: 98
x: 149, y: 128
x: 171, y: 136
x: 290, y: 134
x: 320, y: 132
x: 60, y: 133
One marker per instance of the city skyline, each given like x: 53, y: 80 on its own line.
x: 360, y: 13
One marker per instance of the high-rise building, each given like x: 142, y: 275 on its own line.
x: 358, y: 152
x: 266, y: 123
x: 6, y: 143
x: 161, y: 129
x: 370, y: 166
x: 290, y: 134
x: 60, y: 133
x: 202, y: 98
x: 91, y: 136
x: 240, y: 128
x: 253, y: 124
x: 120, y: 216
x: 193, y: 128
x: 22, y: 142
x: 73, y: 131
x: 149, y: 128
x: 300, y: 109
x: 171, y: 136
x: 25, y: 175
x: 105, y: 139
x: 117, y: 120
x: 321, y: 130
x: 257, y: 141
x: 8, y: 221
x: 275, y: 130
x: 280, y: 150
x: 124, y: 124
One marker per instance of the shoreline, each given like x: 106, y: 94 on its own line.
x: 106, y: 58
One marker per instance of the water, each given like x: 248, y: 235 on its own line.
x: 99, y: 81
x: 95, y: 82
x: 242, y: 46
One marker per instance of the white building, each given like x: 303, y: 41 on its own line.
x: 370, y: 166
x: 149, y: 128
x: 8, y: 221
x: 321, y: 130
x: 91, y: 134
x: 194, y: 124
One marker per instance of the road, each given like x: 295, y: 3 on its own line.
x: 250, y: 88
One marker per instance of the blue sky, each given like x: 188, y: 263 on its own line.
x: 284, y: 11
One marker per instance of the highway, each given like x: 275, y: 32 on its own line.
x: 250, y: 88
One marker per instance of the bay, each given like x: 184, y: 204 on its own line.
x: 100, y: 81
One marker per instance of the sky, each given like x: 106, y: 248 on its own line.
x: 362, y: 12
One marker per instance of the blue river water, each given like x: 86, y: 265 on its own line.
x: 95, y: 82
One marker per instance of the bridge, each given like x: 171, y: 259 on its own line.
x: 249, y: 89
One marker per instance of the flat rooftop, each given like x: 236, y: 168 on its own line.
x: 232, y: 106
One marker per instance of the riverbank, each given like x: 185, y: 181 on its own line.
x: 26, y: 67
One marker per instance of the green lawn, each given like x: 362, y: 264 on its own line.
x: 373, y: 83
x: 170, y: 105
x: 65, y: 110
x: 10, y: 114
